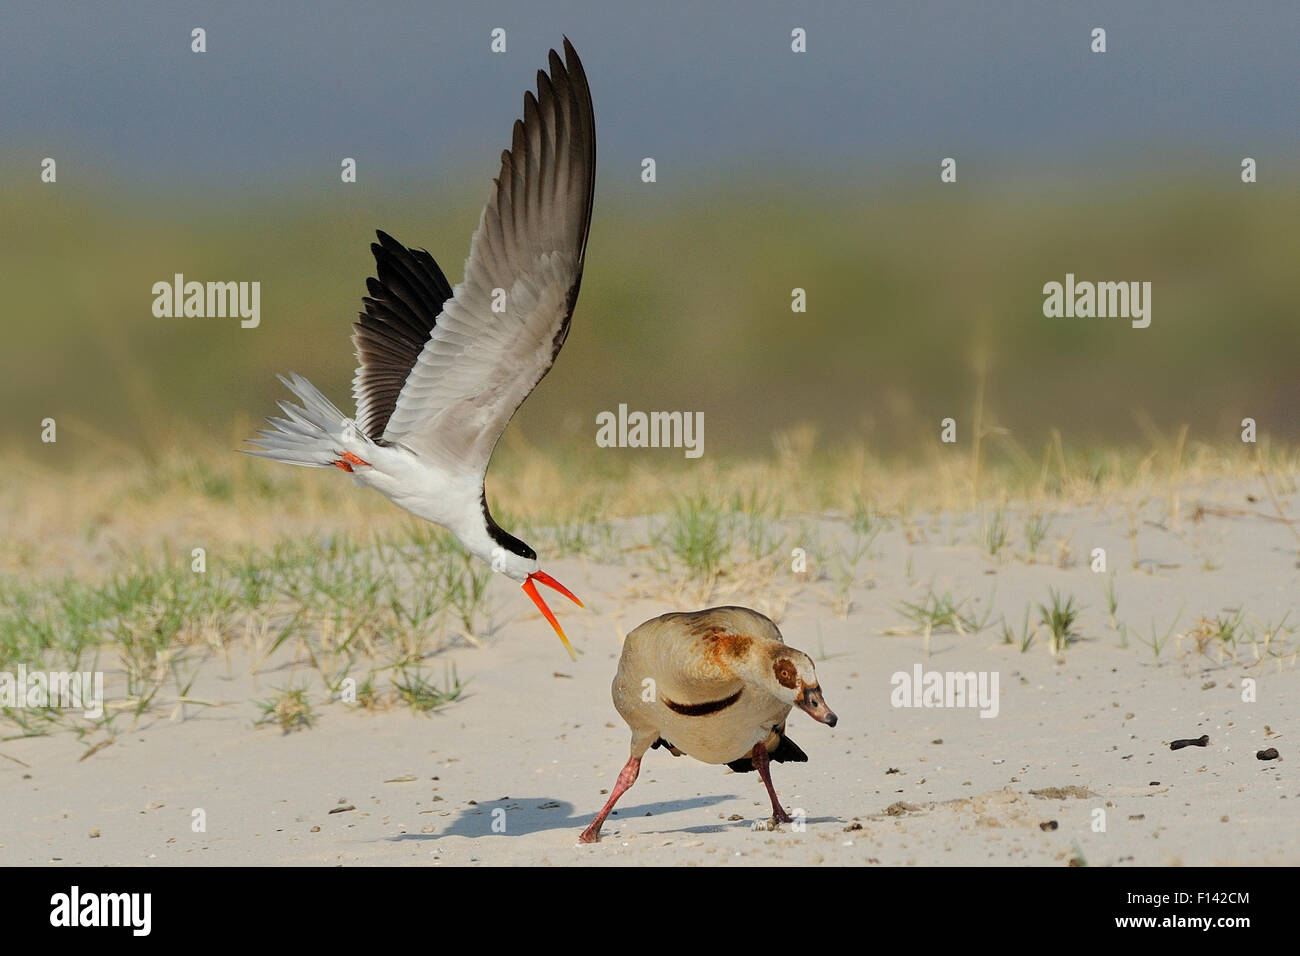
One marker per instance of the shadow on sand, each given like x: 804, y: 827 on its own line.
x: 522, y: 816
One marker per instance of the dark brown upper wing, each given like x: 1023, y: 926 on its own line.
x: 405, y: 299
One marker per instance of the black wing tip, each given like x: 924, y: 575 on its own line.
x: 570, y: 54
x: 573, y: 63
x: 399, y: 313
x: 390, y: 252
x: 569, y: 68
x: 787, y: 751
x: 386, y: 246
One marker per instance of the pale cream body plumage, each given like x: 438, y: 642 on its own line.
x: 716, y: 685
x: 702, y: 661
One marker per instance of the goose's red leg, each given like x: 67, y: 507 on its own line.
x: 627, y: 776
x: 761, y: 764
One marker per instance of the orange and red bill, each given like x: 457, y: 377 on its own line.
x: 531, y: 590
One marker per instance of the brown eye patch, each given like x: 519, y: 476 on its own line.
x: 786, y: 675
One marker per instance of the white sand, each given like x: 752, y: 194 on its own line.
x: 542, y: 748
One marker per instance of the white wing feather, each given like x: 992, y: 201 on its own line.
x: 526, y: 258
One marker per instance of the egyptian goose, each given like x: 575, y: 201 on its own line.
x: 718, y: 685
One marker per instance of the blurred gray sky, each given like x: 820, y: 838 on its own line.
x: 411, y: 90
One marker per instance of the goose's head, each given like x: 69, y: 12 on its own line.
x: 794, y: 679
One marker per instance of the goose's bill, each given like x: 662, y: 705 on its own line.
x: 812, y: 703
x: 530, y: 588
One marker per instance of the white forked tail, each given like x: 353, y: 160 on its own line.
x: 313, y: 435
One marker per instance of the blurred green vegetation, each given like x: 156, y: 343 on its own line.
x: 686, y: 306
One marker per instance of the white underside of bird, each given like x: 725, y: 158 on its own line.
x: 402, y: 475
